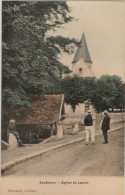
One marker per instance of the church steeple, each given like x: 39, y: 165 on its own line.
x: 82, y: 51
x: 82, y: 63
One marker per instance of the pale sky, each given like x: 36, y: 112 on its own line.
x: 104, y: 26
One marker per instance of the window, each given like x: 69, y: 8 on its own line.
x: 80, y: 69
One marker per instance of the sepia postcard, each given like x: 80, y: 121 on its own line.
x: 62, y: 97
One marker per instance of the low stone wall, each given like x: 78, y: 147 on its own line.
x: 69, y: 122
x: 72, y: 119
x: 68, y: 128
x: 115, y: 118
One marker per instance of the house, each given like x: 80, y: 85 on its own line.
x: 40, y: 120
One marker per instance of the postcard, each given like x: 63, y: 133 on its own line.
x: 62, y: 97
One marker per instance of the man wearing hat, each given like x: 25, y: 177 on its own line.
x: 12, y: 129
x: 105, y: 126
x: 89, y: 128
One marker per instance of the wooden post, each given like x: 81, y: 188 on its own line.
x: 59, y: 131
x: 30, y: 137
x: 52, y: 127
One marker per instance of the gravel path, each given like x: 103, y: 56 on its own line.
x: 79, y: 160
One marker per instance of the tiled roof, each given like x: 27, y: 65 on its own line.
x: 46, y: 110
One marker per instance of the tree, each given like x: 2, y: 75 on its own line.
x: 89, y: 88
x: 30, y: 57
x: 109, y: 93
x: 77, y: 90
x: 104, y: 93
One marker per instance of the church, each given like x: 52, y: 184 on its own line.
x: 81, y: 66
x: 82, y: 63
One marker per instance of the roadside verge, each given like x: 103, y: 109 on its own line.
x: 12, y: 163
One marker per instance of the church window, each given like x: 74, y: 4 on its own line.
x: 80, y: 69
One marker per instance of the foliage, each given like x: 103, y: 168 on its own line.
x: 30, y: 58
x: 109, y: 93
x: 104, y: 93
x: 89, y: 88
x: 77, y: 90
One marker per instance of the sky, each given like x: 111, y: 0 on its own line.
x: 103, y: 25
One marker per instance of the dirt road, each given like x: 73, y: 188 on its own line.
x: 79, y: 160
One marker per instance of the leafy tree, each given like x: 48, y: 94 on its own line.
x: 109, y: 93
x: 89, y: 88
x: 104, y: 93
x: 30, y: 57
x: 77, y: 90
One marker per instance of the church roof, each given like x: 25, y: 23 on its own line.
x: 82, y: 51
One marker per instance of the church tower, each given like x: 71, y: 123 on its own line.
x: 82, y: 63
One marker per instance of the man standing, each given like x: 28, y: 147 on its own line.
x: 105, y: 126
x: 89, y: 129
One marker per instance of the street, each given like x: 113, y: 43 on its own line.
x: 78, y: 159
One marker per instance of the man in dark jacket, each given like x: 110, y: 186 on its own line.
x: 105, y: 126
x: 89, y: 128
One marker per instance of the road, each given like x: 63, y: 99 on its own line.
x: 78, y: 160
